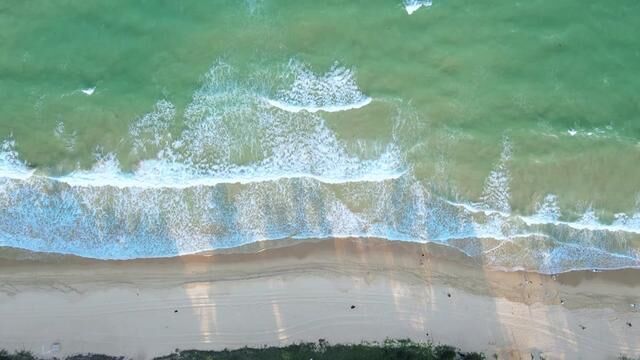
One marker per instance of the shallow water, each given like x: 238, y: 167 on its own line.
x: 507, y: 130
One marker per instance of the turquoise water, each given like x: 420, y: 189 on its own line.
x: 510, y: 131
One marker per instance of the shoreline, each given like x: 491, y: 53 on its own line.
x: 15, y: 253
x: 281, y: 292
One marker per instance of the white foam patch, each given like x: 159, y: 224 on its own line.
x: 624, y: 221
x: 151, y: 131
x: 232, y: 136
x: 88, y: 91
x: 129, y: 222
x: 594, y: 133
x: 106, y: 172
x: 591, y: 225
x: 589, y: 219
x: 496, y: 194
x: 336, y: 90
x: 243, y: 170
x: 10, y: 164
x: 58, y: 131
x: 68, y: 139
x: 163, y: 174
x: 550, y: 257
x: 313, y: 109
x: 412, y: 6
x: 549, y: 213
x: 548, y: 210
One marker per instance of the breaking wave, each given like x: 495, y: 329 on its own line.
x: 131, y: 222
x: 240, y: 169
x: 334, y: 91
x: 231, y: 135
x: 10, y: 164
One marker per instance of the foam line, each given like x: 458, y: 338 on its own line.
x: 241, y: 175
x: 538, y: 220
x: 313, y: 109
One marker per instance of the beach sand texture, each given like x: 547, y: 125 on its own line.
x: 343, y: 291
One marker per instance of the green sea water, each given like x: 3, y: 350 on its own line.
x: 498, y: 105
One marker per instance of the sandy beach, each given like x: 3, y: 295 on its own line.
x: 343, y: 291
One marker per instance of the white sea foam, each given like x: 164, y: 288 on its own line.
x: 335, y: 90
x: 598, y: 132
x: 312, y: 109
x: 548, y: 210
x: 231, y: 133
x: 243, y: 170
x: 58, y: 131
x: 496, y: 193
x: 129, y: 222
x: 10, y: 164
x: 68, y: 139
x: 232, y: 136
x: 88, y: 91
x: 624, y: 221
x: 589, y: 221
x: 163, y: 174
x: 412, y: 6
x: 151, y: 131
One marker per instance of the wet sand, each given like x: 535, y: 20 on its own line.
x: 340, y: 290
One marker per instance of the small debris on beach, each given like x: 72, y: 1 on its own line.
x: 583, y: 327
x: 629, y: 324
x: 448, y: 294
x: 175, y: 311
x: 353, y: 307
x: 561, y: 301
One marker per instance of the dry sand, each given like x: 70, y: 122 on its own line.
x: 291, y: 292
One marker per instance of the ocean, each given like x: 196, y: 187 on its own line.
x: 507, y: 130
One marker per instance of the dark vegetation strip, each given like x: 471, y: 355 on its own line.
x: 389, y: 350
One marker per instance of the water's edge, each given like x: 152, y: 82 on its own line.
x: 435, y: 249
